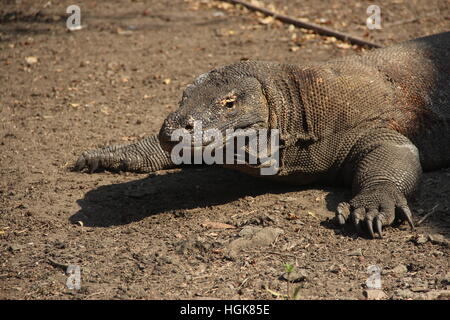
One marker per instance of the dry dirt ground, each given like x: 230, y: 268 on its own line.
x: 169, y: 235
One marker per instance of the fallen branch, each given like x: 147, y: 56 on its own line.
x: 58, y: 264
x: 427, y: 215
x: 308, y: 25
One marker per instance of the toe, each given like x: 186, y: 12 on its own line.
x: 387, y: 214
x: 357, y: 216
x: 378, y: 226
x: 342, y: 213
x: 80, y: 164
x: 93, y: 165
x: 369, y: 221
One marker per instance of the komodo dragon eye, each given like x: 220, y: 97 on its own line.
x: 228, y: 102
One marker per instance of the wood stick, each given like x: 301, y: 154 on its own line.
x: 427, y: 215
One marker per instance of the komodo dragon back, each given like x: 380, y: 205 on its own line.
x: 405, y: 87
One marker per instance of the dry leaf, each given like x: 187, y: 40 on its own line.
x: 292, y: 216
x: 343, y: 45
x: 312, y: 214
x: 267, y: 20
x: 309, y: 37
x: 123, y: 32
x: 31, y: 60
x: 128, y: 138
x: 104, y: 110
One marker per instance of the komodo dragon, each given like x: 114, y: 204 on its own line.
x: 371, y: 121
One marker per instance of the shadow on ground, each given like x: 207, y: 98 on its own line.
x: 179, y: 190
x: 175, y: 191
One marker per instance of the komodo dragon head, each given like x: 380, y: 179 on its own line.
x: 227, y: 98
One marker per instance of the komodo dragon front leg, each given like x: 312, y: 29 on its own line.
x: 386, y: 170
x: 145, y: 155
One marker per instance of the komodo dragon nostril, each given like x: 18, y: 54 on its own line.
x: 189, y: 124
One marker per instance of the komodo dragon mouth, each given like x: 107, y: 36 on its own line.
x: 200, y: 139
x: 249, y: 145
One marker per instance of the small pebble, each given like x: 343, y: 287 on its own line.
x: 375, y: 294
x: 400, y: 269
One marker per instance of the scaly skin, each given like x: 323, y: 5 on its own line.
x: 146, y: 155
x: 371, y: 122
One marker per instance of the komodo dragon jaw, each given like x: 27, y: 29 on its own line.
x: 371, y: 122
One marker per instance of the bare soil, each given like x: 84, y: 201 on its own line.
x: 169, y: 235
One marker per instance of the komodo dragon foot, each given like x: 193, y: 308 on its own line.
x: 374, y: 208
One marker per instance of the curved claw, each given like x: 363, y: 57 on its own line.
x: 357, y: 216
x: 340, y: 219
x: 378, y: 226
x: 370, y: 228
x: 357, y: 225
x: 407, y: 215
